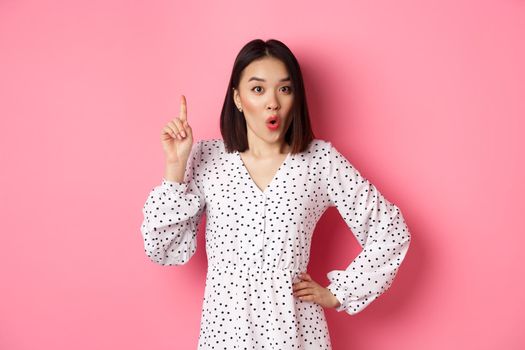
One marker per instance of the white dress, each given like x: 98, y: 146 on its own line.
x: 257, y: 242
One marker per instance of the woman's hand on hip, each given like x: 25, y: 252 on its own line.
x: 309, y: 290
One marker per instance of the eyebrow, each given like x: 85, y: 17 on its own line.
x: 261, y: 79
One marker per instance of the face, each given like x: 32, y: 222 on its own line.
x: 265, y: 89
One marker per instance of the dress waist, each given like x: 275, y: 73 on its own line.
x: 255, y: 267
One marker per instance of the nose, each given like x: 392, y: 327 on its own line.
x: 273, y: 103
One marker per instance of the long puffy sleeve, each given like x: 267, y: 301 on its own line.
x: 379, y: 228
x: 172, y: 215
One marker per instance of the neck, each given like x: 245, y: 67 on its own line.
x: 260, y: 148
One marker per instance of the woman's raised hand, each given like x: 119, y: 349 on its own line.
x: 177, y: 137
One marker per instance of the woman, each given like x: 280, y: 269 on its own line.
x: 264, y: 186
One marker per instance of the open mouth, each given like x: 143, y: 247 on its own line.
x: 273, y: 124
x: 273, y: 120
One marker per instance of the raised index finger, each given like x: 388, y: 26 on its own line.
x: 183, y: 110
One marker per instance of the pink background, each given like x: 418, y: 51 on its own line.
x: 425, y: 98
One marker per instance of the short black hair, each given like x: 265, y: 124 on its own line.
x: 298, y: 128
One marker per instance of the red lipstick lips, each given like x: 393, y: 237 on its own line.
x: 273, y: 122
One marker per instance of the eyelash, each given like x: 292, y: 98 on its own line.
x: 289, y: 88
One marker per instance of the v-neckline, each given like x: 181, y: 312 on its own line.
x: 274, y: 178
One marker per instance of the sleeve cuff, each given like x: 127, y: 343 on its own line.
x: 178, y: 187
x: 339, y: 294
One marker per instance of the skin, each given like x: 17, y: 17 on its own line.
x: 260, y: 99
x: 267, y: 149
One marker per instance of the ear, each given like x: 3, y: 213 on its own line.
x: 236, y: 98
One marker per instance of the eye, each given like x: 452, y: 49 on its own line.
x: 289, y: 89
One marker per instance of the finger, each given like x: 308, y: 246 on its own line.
x: 169, y: 131
x: 310, y: 297
x: 183, y: 109
x: 303, y: 292
x: 305, y: 276
x: 178, y: 122
x: 175, y: 128
x: 186, y: 125
x: 188, y: 129
x: 300, y: 285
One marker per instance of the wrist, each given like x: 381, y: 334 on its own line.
x: 175, y: 171
x: 335, y: 301
x: 175, y: 163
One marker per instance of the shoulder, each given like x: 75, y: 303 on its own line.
x: 328, y: 155
x: 212, y: 146
x: 209, y: 144
x: 319, y: 148
x: 210, y: 149
x: 320, y: 144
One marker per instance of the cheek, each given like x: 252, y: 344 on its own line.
x: 286, y: 103
x: 251, y: 104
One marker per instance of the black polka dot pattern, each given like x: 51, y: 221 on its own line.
x: 258, y: 241
x: 378, y: 226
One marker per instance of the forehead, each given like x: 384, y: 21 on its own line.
x: 268, y: 68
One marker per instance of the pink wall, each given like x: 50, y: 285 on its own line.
x: 425, y: 98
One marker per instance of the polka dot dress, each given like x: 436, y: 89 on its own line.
x: 258, y: 242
